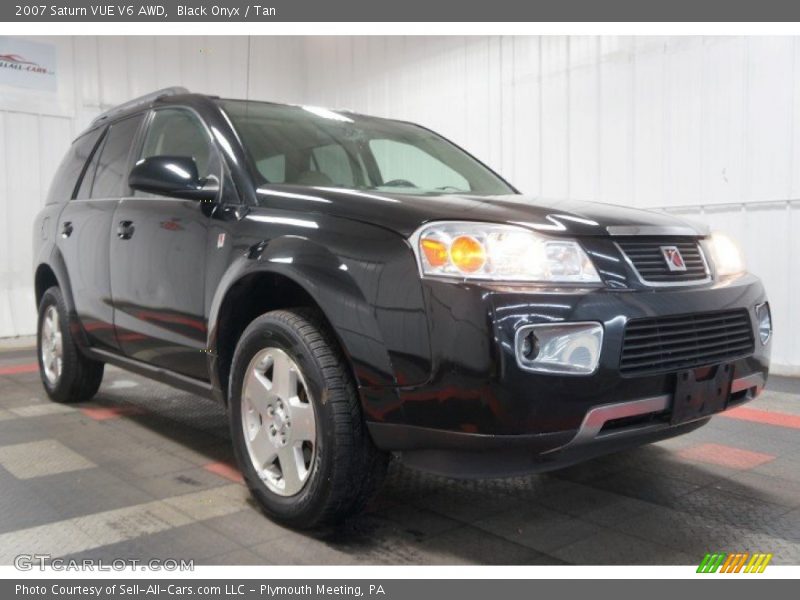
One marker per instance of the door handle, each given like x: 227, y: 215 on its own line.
x: 125, y: 230
x: 66, y: 229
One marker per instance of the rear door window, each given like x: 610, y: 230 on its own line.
x: 110, y: 179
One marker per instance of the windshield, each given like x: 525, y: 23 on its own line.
x: 312, y: 146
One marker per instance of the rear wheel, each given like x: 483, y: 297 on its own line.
x: 67, y: 375
x: 296, y: 422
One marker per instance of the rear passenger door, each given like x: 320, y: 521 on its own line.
x: 84, y: 228
x: 158, y: 255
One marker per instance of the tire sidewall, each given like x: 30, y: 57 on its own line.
x: 268, y: 331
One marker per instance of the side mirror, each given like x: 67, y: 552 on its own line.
x: 174, y: 176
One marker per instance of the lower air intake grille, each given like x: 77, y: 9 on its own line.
x: 685, y: 341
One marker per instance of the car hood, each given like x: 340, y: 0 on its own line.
x: 405, y: 213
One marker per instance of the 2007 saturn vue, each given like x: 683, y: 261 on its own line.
x: 352, y: 287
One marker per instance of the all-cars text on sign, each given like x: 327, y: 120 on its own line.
x: 28, y: 64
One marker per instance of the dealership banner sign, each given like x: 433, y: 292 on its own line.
x: 407, y: 11
x: 28, y: 64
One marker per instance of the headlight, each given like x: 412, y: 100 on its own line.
x: 726, y: 255
x: 468, y: 250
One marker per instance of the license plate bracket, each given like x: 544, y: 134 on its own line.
x: 697, y: 398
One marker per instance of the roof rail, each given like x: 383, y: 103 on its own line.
x: 145, y: 100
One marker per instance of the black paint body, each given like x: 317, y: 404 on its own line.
x: 433, y: 359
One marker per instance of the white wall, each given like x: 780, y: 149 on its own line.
x: 706, y: 127
x: 703, y: 127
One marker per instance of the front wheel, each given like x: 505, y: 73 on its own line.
x: 66, y: 374
x: 296, y: 422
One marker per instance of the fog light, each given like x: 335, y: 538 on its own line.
x: 764, y: 320
x: 564, y: 348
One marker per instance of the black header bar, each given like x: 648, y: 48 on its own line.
x: 258, y: 11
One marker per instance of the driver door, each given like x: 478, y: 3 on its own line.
x: 158, y: 255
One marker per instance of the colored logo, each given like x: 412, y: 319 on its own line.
x: 673, y: 257
x: 19, y: 63
x: 16, y: 58
x: 737, y: 562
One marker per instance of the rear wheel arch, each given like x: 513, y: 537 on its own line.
x: 44, y: 279
x: 53, y: 267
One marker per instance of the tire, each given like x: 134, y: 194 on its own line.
x: 73, y: 377
x: 342, y: 468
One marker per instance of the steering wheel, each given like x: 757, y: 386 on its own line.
x: 399, y: 183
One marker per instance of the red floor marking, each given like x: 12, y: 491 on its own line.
x: 766, y: 417
x: 726, y: 456
x: 104, y: 413
x: 16, y: 369
x: 225, y: 470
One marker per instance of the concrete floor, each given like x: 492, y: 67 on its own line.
x: 145, y: 471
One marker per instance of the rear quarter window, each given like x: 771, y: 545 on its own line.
x: 62, y: 188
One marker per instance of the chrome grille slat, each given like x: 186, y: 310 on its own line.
x: 646, y: 258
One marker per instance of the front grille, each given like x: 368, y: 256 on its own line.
x: 648, y: 259
x: 678, y: 342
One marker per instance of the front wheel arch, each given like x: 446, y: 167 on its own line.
x: 251, y: 296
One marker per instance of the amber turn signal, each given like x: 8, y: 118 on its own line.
x: 467, y: 254
x: 435, y: 251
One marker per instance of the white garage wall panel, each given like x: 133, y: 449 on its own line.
x: 708, y: 128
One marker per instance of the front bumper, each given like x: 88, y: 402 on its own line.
x: 479, y: 400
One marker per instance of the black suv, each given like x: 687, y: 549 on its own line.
x: 352, y: 286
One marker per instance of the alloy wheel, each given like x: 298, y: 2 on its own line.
x: 52, y: 347
x: 279, y: 422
